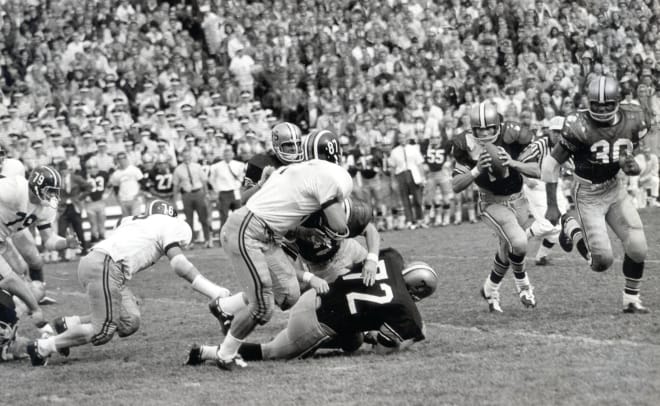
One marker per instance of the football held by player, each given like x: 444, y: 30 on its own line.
x: 502, y: 203
x: 601, y: 142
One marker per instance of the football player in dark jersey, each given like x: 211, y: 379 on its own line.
x: 601, y: 141
x: 436, y: 151
x: 369, y: 163
x: 12, y: 346
x: 387, y: 309
x: 95, y: 202
x: 287, y: 149
x: 159, y: 182
x: 502, y: 203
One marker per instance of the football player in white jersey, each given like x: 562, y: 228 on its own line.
x: 285, y: 200
x: 136, y: 244
x: 22, y: 253
x: 23, y: 203
x: 535, y: 192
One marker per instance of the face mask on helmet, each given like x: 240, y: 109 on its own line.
x: 421, y: 280
x: 287, y: 143
x: 485, y: 123
x: 45, y: 184
x: 603, y: 112
x: 604, y: 95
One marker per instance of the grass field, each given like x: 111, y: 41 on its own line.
x: 575, y: 348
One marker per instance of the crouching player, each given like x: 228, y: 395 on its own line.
x: 348, y: 309
x: 137, y: 243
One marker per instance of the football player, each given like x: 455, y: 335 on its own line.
x: 95, y: 202
x: 501, y: 200
x: 159, y: 184
x: 534, y: 190
x: 136, y: 244
x: 22, y: 204
x: 289, y: 195
x: 436, y: 151
x: 12, y: 346
x: 601, y: 142
x: 386, y: 309
x: 286, y: 149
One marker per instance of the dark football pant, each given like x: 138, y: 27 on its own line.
x: 196, y: 202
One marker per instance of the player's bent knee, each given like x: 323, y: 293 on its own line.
x: 636, y: 248
x: 601, y: 262
x: 519, y: 246
x: 287, y: 301
x: 128, y: 326
x: 104, y: 335
x: 263, y: 315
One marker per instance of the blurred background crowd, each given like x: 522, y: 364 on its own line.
x: 116, y: 84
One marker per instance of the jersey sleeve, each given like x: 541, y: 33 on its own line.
x: 401, y: 327
x: 535, y: 151
x: 461, y: 156
x: 334, y: 185
x: 46, y: 218
x: 252, y: 175
x: 175, y: 232
x: 570, y: 134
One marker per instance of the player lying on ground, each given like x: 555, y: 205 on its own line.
x: 339, y: 318
x: 136, y: 244
x: 601, y: 142
x: 12, y: 346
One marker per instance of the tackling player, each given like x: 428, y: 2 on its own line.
x: 502, y: 202
x: 136, y: 244
x: 601, y: 141
x: 283, y: 202
x: 22, y: 204
x: 12, y: 346
x: 287, y: 149
x: 348, y: 309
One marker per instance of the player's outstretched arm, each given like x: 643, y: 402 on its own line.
x: 13, y: 284
x: 370, y: 267
x: 464, y: 176
x: 186, y: 270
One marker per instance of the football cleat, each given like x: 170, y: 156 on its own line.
x: 60, y: 327
x: 195, y: 355
x: 565, y: 240
x: 542, y: 261
x: 527, y: 296
x: 633, y: 304
x: 493, y: 301
x: 224, y: 318
x: 229, y: 365
x: 36, y: 359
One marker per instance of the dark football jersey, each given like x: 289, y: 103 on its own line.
x: 435, y: 153
x: 596, y: 148
x: 351, y: 307
x: 160, y: 184
x: 256, y: 165
x: 368, y: 164
x: 98, y: 184
x: 512, y: 138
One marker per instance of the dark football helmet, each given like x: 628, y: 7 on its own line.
x: 287, y: 143
x: 358, y: 215
x: 485, y: 122
x: 421, y: 280
x: 323, y: 145
x: 45, y: 183
x: 162, y: 207
x: 604, y: 96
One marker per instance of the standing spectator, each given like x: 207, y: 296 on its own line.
x: 226, y: 177
x: 72, y: 193
x: 241, y: 67
x: 407, y: 162
x: 96, y: 200
x: 104, y: 160
x: 190, y: 187
x: 126, y: 182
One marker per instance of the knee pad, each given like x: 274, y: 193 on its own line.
x: 635, y: 246
x: 285, y: 302
x: 601, y: 262
x: 128, y: 325
x: 519, y: 246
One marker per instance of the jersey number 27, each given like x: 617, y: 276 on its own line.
x: 353, y: 297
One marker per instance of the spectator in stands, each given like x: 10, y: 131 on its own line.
x: 126, y: 182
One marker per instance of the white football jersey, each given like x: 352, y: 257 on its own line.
x: 295, y: 191
x: 139, y: 241
x: 16, y: 210
x: 12, y: 167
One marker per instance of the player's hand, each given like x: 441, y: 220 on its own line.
x: 71, y: 240
x: 503, y: 156
x: 319, y: 285
x: 369, y: 272
x: 629, y: 165
x: 552, y: 214
x: 485, y: 161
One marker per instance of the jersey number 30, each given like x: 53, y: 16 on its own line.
x: 606, y: 153
x: 353, y: 297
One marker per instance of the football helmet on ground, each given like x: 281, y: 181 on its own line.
x: 485, y: 122
x: 604, y: 96
x: 420, y: 279
x: 324, y: 145
x: 45, y: 183
x: 287, y: 143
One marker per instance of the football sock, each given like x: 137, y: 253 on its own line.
x: 581, y: 246
x: 207, y: 288
x: 37, y: 273
x: 574, y: 231
x: 251, y: 352
x: 633, y: 272
x: 232, y: 304
x: 229, y: 347
x: 209, y: 352
x: 544, y: 249
x: 499, y: 270
x: 517, y: 263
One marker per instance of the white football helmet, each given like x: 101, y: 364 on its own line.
x: 421, y: 279
x: 287, y: 143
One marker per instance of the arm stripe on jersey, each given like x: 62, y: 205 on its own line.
x: 43, y: 227
x: 261, y: 305
x: 171, y: 245
x: 329, y: 203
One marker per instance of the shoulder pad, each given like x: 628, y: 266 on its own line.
x: 632, y: 108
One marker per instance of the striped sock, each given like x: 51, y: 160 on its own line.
x: 499, y: 270
x: 633, y: 272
